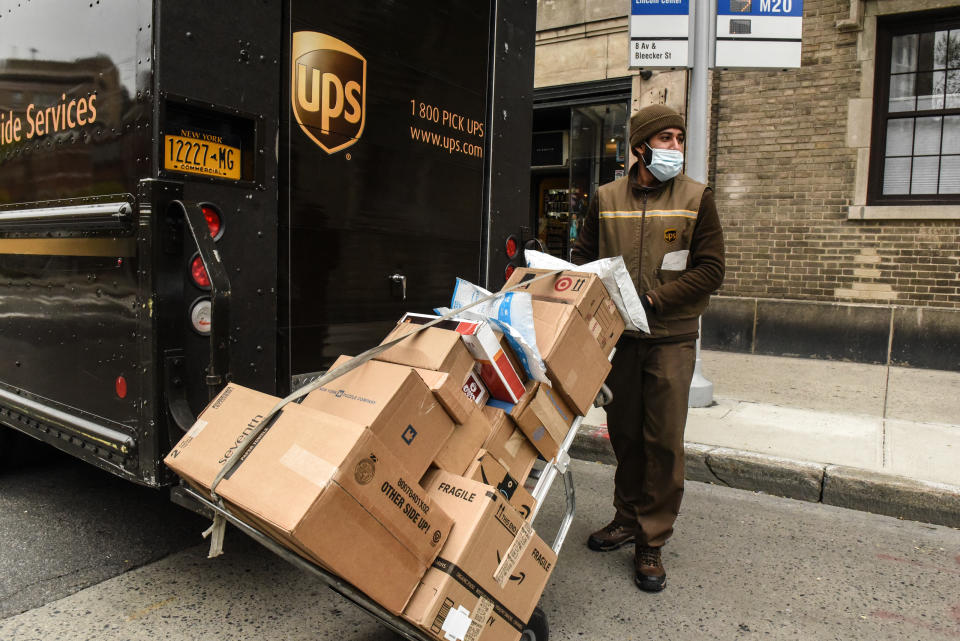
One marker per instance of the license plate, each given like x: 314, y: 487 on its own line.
x: 202, y: 157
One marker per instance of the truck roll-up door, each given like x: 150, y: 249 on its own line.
x: 387, y: 138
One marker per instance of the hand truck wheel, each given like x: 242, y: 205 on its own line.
x: 537, y: 628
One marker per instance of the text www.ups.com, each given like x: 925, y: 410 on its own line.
x: 450, y: 144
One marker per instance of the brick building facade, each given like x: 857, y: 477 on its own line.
x: 841, y: 229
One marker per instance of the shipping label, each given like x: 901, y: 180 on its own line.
x: 464, y: 579
x: 479, y: 619
x: 514, y: 552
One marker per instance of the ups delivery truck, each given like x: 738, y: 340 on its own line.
x: 200, y: 192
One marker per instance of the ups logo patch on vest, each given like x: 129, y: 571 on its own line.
x: 670, y: 235
x: 328, y: 90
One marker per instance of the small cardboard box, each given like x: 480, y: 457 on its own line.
x: 515, y: 409
x: 575, y: 363
x: 546, y: 421
x: 499, y: 374
x: 450, y: 394
x: 580, y: 289
x: 326, y: 487
x: 491, y: 572
x: 395, y: 403
x: 433, y: 352
x: 436, y: 348
x: 488, y: 470
x: 461, y: 448
x: 508, y: 444
x: 586, y: 292
x: 474, y: 388
x: 606, y: 325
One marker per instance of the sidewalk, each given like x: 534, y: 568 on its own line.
x: 868, y: 437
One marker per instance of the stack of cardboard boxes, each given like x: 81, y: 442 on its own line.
x: 405, y: 476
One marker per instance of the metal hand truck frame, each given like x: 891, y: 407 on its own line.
x: 537, y: 629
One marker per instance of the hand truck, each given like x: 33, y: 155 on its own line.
x: 537, y: 629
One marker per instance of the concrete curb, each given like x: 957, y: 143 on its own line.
x: 836, y: 485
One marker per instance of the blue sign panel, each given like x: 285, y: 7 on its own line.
x: 759, y: 34
x: 793, y: 8
x: 659, y: 7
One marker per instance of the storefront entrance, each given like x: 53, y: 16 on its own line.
x: 578, y: 145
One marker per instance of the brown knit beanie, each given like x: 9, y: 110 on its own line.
x: 651, y: 120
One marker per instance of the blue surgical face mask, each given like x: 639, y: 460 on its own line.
x: 664, y: 164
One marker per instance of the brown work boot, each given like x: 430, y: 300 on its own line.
x: 650, y: 575
x: 612, y: 536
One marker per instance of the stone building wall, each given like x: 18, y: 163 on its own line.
x: 789, y: 159
x: 786, y: 174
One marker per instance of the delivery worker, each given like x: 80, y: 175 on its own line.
x: 666, y: 227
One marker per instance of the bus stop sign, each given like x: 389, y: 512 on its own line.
x: 659, y: 34
x: 759, y: 34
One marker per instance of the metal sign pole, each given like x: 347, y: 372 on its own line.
x: 701, y: 390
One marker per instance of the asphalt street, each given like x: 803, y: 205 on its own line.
x: 742, y: 565
x: 65, y: 525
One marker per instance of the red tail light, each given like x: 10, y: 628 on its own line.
x: 508, y: 272
x: 120, y: 386
x: 214, y: 222
x: 199, y: 273
x: 512, y: 247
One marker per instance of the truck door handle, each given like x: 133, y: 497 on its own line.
x: 400, y: 278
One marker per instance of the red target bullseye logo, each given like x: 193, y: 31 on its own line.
x: 563, y: 284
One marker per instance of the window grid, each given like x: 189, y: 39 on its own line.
x: 919, y: 75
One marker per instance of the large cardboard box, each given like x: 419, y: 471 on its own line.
x: 395, y: 403
x: 508, y: 444
x: 575, y: 363
x: 491, y: 572
x: 586, y: 292
x: 546, y: 420
x: 326, y: 487
x: 460, y: 450
x: 500, y: 374
x: 489, y: 471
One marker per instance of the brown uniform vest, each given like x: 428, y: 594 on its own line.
x: 651, y: 228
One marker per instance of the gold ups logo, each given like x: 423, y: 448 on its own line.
x: 328, y: 89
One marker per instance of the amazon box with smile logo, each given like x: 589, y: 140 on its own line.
x: 395, y: 403
x: 490, y: 573
x: 327, y: 488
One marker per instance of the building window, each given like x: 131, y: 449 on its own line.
x: 915, y: 151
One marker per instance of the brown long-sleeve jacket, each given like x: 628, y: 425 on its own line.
x: 671, y: 241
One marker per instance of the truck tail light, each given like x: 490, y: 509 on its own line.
x: 120, y: 386
x: 512, y: 247
x: 508, y: 272
x: 198, y: 273
x: 214, y: 221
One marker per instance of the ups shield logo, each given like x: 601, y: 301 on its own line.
x: 670, y: 235
x: 328, y: 90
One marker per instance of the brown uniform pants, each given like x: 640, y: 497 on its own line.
x: 650, y: 385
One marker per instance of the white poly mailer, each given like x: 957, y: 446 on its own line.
x: 512, y: 314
